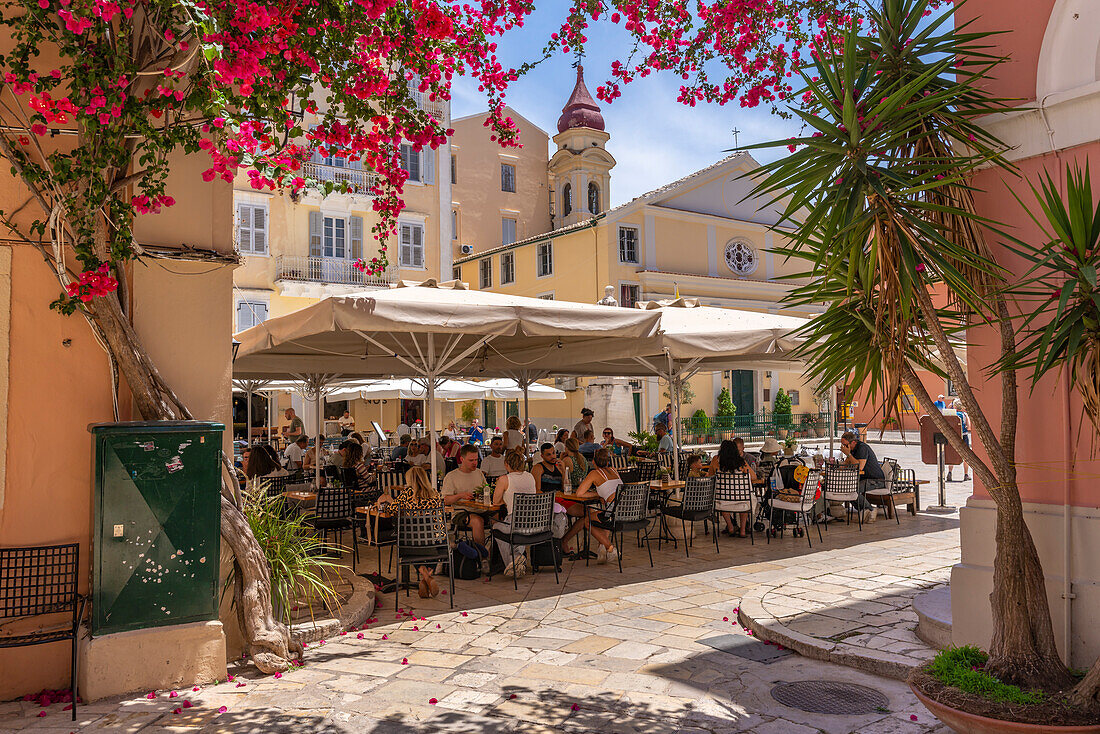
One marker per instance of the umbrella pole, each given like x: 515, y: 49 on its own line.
x: 248, y: 419
x: 674, y: 393
x: 431, y: 412
x: 526, y: 414
x: 317, y: 441
x: 270, y: 417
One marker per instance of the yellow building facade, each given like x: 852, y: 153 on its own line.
x: 531, y: 221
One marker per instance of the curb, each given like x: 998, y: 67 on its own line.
x: 765, y: 626
x: 352, y: 614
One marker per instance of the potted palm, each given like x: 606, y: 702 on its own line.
x: 877, y: 195
x: 781, y: 413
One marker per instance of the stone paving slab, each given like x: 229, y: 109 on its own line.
x: 624, y: 649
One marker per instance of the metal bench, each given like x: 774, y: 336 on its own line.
x: 37, y: 581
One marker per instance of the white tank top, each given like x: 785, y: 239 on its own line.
x: 608, y: 487
x: 522, y: 482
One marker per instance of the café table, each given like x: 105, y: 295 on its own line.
x: 587, y: 501
x: 666, y: 490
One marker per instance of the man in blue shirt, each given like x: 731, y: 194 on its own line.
x: 664, y: 441
x: 939, y: 404
x: 402, y: 450
x: 589, y: 448
x: 477, y: 436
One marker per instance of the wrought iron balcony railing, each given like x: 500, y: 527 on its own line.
x: 329, y: 270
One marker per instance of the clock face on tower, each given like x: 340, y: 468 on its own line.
x: 741, y: 257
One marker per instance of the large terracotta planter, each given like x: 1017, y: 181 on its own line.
x: 965, y: 723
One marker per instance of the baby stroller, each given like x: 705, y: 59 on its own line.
x: 785, y: 465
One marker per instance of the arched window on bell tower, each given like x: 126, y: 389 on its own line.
x: 566, y: 200
x: 593, y: 198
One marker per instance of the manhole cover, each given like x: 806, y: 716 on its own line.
x: 828, y: 697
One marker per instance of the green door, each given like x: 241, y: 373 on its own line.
x: 489, y: 410
x: 742, y: 391
x: 637, y: 411
x: 157, y: 525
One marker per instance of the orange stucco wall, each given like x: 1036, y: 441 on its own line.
x: 54, y: 392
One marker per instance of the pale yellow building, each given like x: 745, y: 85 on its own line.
x: 532, y: 221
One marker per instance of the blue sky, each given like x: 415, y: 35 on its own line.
x: 654, y: 138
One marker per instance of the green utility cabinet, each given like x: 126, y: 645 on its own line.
x: 157, y: 527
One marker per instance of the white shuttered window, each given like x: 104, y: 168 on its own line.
x: 412, y: 245
x: 252, y: 228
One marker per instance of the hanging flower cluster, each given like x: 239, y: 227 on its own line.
x: 264, y: 87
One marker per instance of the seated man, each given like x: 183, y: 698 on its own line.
x: 294, y: 456
x: 402, y: 449
x: 477, y: 436
x: 664, y: 441
x: 589, y: 448
x: 422, y: 455
x: 750, y: 458
x: 493, y: 465
x: 460, y: 485
x: 871, y: 475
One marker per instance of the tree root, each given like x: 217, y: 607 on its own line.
x: 1087, y: 692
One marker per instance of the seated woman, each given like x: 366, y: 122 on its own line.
x: 517, y: 481
x: 602, y: 482
x: 576, y: 467
x: 262, y: 464
x: 559, y: 441
x: 514, y: 438
x: 418, y: 494
x: 616, y: 446
x: 448, y: 447
x: 729, y: 460
x: 353, y: 459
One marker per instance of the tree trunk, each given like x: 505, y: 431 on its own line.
x: 1087, y: 691
x: 269, y: 643
x: 1022, y: 650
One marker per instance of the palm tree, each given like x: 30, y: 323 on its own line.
x: 878, y: 193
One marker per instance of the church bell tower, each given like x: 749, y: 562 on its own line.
x: 580, y: 168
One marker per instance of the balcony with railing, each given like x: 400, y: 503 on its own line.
x: 361, y: 181
x: 329, y: 271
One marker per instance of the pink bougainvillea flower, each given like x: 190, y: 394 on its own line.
x: 511, y: 696
x: 912, y: 717
x: 438, y: 627
x: 150, y: 695
x: 41, y: 713
x: 223, y: 709
x: 385, y: 637
x: 359, y: 636
x: 229, y: 678
x: 433, y: 701
x: 177, y: 711
x: 415, y: 628
x: 278, y: 675
x: 725, y: 619
x: 240, y: 685
x: 187, y: 704
x: 465, y: 614
x: 404, y: 661
x: 576, y: 707
x: 173, y: 694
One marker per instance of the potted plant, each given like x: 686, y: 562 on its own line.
x: 781, y: 413
x: 881, y: 208
x: 789, y: 445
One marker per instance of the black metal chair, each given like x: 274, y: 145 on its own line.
x: 802, y: 507
x: 619, y: 462
x: 629, y: 513
x: 630, y: 475
x: 332, y: 473
x: 532, y: 520
x: 647, y: 470
x: 842, y: 485
x: 422, y: 540
x: 696, y: 504
x: 40, y: 580
x: 733, y: 492
x: 333, y: 514
x: 274, y: 486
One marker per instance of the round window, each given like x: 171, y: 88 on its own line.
x: 741, y: 257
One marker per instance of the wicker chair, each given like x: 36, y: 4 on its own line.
x: 697, y: 504
x: 532, y: 519
x: 842, y: 485
x: 898, y: 481
x: 733, y: 492
x: 422, y: 540
x: 629, y: 513
x: 802, y: 508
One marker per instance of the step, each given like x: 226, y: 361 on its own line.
x: 933, y: 608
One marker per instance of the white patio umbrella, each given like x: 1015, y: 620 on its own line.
x: 429, y: 330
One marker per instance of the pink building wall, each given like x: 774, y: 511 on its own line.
x: 1053, y: 71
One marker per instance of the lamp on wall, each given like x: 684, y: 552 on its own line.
x: 236, y: 348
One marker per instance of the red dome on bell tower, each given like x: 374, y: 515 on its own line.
x: 581, y: 110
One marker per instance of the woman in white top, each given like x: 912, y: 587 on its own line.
x: 517, y: 481
x: 559, y: 441
x: 514, y: 440
x: 450, y: 431
x: 602, y: 482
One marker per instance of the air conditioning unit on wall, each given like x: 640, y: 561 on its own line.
x: 467, y: 249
